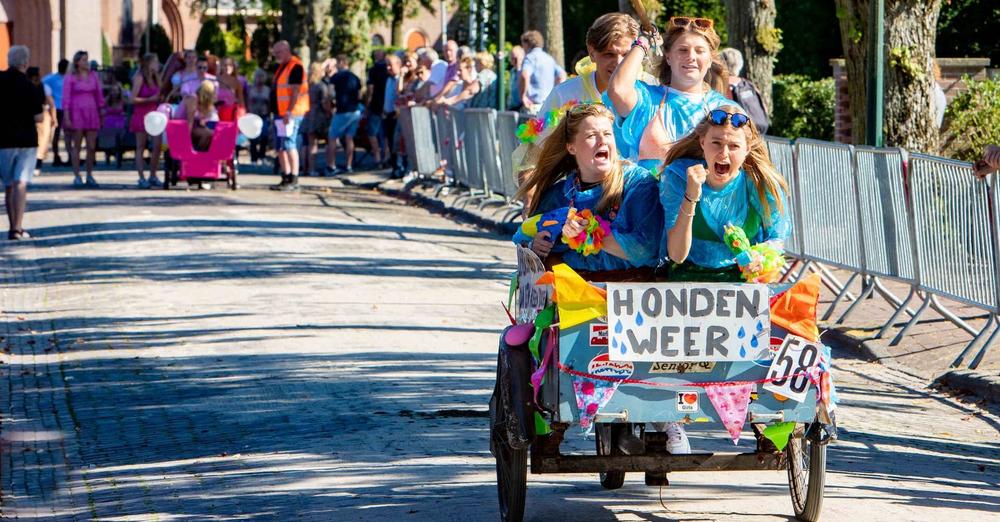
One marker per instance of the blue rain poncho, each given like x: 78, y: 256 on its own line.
x: 720, y: 207
x: 679, y: 113
x: 637, y: 225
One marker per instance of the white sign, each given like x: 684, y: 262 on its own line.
x: 531, y: 298
x: 795, y: 357
x: 687, y: 402
x: 688, y: 322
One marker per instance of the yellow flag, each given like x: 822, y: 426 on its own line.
x: 578, y: 300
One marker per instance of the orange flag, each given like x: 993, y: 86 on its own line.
x: 795, y: 310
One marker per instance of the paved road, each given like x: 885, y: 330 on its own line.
x: 328, y: 356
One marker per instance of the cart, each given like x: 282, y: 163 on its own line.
x: 651, y: 392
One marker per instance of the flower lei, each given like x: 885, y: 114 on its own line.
x: 529, y: 131
x: 591, y: 240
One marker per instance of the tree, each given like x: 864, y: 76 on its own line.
x: 714, y: 9
x: 352, y: 29
x: 545, y: 16
x: 211, y: 39
x: 909, y: 96
x: 159, y: 43
x: 966, y: 29
x: 752, y: 32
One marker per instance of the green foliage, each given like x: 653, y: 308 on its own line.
x: 902, y: 58
x: 159, y: 43
x: 810, y: 36
x: 803, y: 108
x: 967, y: 28
x: 714, y: 9
x: 211, y: 39
x: 971, y: 120
x: 770, y: 39
x: 234, y: 44
x: 261, y: 41
x: 106, y: 56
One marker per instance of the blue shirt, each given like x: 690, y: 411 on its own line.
x: 681, y: 113
x: 637, y: 226
x: 719, y: 208
x: 55, y: 82
x: 391, y: 88
x: 543, y: 71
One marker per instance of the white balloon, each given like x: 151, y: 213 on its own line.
x: 155, y: 123
x: 250, y: 125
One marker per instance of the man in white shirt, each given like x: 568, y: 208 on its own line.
x: 539, y: 72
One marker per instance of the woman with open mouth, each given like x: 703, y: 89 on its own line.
x: 579, y: 168
x: 720, y: 174
x: 651, y: 118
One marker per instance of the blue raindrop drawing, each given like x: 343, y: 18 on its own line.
x: 614, y: 343
x: 638, y: 319
x: 753, y: 342
x: 742, y: 333
x: 743, y: 351
x: 623, y: 349
x: 618, y: 327
x: 760, y: 327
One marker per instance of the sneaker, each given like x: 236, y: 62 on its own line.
x: 18, y: 235
x: 77, y: 181
x: 280, y: 186
x: 92, y: 183
x: 292, y: 185
x: 677, y: 440
x: 204, y: 185
x: 143, y: 183
x: 345, y: 170
x: 155, y: 182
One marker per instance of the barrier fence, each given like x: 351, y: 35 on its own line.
x: 877, y: 213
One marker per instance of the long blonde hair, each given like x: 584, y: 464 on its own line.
x: 717, y: 76
x: 757, y: 165
x: 554, y: 162
x: 206, y: 97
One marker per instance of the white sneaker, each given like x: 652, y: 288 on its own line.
x: 677, y: 440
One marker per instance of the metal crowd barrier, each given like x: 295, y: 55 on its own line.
x: 956, y: 237
x: 880, y: 214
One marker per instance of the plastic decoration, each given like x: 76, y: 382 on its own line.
x: 551, y: 222
x: 760, y: 263
x: 529, y: 131
x: 591, y: 240
x: 585, y: 66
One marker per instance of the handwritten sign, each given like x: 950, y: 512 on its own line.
x: 531, y: 298
x: 688, y: 322
x: 795, y: 357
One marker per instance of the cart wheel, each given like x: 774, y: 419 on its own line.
x: 806, y: 475
x: 512, y: 464
x: 607, y: 434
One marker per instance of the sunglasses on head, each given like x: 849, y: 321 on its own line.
x: 736, y: 119
x: 684, y: 22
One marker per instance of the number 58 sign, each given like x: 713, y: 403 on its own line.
x: 788, y: 368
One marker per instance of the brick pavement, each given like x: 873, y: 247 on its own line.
x: 328, y: 356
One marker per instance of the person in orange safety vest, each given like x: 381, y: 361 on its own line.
x: 291, y: 97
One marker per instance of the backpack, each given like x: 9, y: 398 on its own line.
x: 747, y: 95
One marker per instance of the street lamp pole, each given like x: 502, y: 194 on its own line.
x: 875, y: 90
x: 501, y: 55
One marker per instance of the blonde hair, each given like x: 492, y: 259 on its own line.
x: 555, y: 162
x: 717, y: 76
x: 485, y: 59
x: 206, y: 97
x: 317, y: 71
x: 757, y: 164
x: 609, y: 28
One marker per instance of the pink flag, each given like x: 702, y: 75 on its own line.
x: 591, y: 396
x: 731, y: 401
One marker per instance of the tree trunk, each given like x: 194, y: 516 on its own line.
x: 352, y: 31
x: 853, y: 16
x: 545, y: 16
x: 910, y: 35
x: 751, y: 31
x: 294, y: 26
x: 320, y: 28
x: 398, y: 15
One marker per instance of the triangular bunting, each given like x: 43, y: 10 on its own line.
x: 591, y: 396
x: 731, y: 401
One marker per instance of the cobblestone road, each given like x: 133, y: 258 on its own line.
x: 328, y: 356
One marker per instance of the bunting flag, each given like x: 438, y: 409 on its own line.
x: 731, y: 401
x: 591, y: 396
x: 779, y: 434
x: 795, y: 309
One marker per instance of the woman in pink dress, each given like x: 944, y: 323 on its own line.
x: 83, y: 103
x: 146, y: 96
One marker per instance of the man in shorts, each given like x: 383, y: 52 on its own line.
x: 346, y: 116
x: 292, y: 100
x: 18, y: 137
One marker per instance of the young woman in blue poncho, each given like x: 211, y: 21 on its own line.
x: 651, y: 118
x: 721, y: 174
x: 578, y: 167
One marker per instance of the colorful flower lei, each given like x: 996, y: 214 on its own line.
x: 529, y: 131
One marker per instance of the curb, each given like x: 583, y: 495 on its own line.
x: 986, y: 387
x: 439, y: 207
